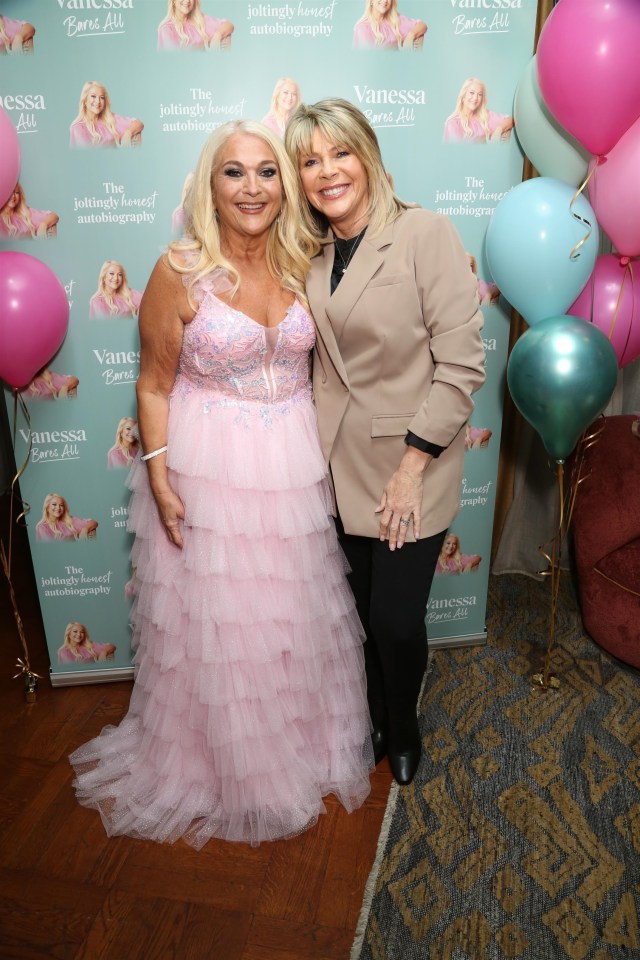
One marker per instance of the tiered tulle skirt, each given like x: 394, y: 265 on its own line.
x: 249, y: 703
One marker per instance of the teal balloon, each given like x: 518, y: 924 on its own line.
x: 551, y: 149
x: 561, y: 374
x: 529, y: 241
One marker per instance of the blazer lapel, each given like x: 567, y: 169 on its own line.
x: 366, y: 260
x: 332, y: 312
x: 318, y: 289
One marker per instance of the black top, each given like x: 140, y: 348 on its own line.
x: 342, y: 256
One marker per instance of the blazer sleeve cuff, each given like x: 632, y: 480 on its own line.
x: 412, y: 440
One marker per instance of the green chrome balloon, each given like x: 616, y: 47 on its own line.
x: 561, y: 374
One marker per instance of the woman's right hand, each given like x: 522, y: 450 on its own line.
x: 171, y: 511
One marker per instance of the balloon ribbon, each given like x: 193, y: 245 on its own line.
x: 566, y: 502
x: 23, y: 664
x: 575, y: 253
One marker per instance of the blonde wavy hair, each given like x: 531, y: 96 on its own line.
x: 34, y: 389
x: 481, y: 114
x: 86, y: 642
x: 456, y: 556
x: 3, y: 35
x: 463, y: 562
x: 45, y: 376
x: 277, y: 90
x: 196, y: 17
x: 124, y: 290
x: 21, y: 212
x: 128, y: 449
x: 343, y: 125
x: 289, y: 241
x: 66, y: 519
x: 105, y: 117
x: 391, y: 16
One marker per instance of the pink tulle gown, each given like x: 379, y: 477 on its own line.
x: 249, y: 703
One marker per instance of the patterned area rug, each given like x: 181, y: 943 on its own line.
x: 520, y: 836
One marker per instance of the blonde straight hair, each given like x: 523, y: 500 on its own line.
x: 344, y: 126
x: 290, y: 240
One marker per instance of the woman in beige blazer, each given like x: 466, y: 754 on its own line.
x: 397, y: 357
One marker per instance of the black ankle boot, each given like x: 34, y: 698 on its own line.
x: 404, y: 764
x: 404, y: 746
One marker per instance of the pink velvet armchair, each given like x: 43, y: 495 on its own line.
x: 606, y: 532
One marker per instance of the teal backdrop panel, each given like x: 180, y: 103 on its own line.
x: 118, y: 208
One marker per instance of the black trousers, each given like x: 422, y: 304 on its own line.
x: 391, y: 589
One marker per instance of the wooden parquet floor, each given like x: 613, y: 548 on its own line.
x: 68, y: 892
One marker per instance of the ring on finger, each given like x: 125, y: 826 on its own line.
x: 404, y: 521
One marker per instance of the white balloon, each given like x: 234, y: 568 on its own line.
x: 551, y: 149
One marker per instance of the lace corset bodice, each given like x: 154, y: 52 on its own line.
x: 232, y: 357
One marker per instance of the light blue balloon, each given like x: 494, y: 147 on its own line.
x: 551, y: 149
x: 561, y: 374
x: 529, y: 241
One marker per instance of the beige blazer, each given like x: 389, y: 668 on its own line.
x: 398, y: 348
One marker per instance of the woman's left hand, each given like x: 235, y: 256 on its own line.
x: 503, y: 132
x: 402, y: 499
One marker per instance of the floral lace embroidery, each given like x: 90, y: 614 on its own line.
x: 233, y: 361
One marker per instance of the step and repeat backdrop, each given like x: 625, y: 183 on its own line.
x: 112, y: 100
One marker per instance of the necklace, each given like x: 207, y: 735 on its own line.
x: 347, y: 247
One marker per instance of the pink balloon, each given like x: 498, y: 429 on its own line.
x: 589, y: 69
x: 598, y: 303
x: 10, y: 153
x: 34, y: 315
x: 614, y: 191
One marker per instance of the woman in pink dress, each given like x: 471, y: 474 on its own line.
x: 16, y: 36
x: 47, y: 385
x: 19, y: 220
x: 127, y: 445
x: 114, y: 297
x: 382, y: 27
x: 97, y: 126
x: 285, y: 99
x: 78, y: 647
x: 452, y: 561
x: 186, y: 27
x: 249, y: 704
x: 57, y: 523
x: 472, y: 121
